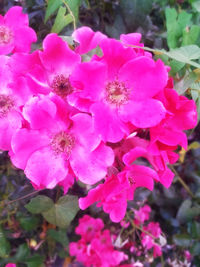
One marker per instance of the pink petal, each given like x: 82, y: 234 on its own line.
x: 57, y: 56
x: 24, y: 143
x: 143, y: 114
x: 40, y: 112
x: 115, y: 55
x: 91, y: 167
x: 87, y: 39
x: 45, y: 169
x: 8, y: 126
x: 16, y: 18
x: 24, y: 37
x: 169, y: 136
x: 144, y: 76
x: 107, y: 123
x: 83, y: 129
x: 89, y: 79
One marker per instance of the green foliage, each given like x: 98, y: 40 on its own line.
x: 180, y: 29
x: 4, y: 245
x: 68, y: 11
x: 59, y: 236
x: 39, y: 204
x: 63, y: 211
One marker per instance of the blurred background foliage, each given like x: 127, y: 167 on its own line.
x: 34, y: 232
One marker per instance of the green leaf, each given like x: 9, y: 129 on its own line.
x: 74, y: 7
x: 4, y: 245
x: 196, y: 6
x: 185, y: 54
x: 176, y: 66
x: 190, y: 35
x: 196, y: 249
x: 182, y: 240
x: 22, y: 252
x: 185, y: 83
x: 59, y: 236
x: 175, y: 24
x: 62, y: 20
x: 194, y: 229
x: 186, y: 212
x: 29, y: 223
x: 34, y: 261
x: 52, y: 6
x: 39, y: 204
x: 63, y: 212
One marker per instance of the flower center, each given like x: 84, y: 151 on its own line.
x: 61, y: 85
x: 131, y: 180
x: 6, y: 104
x: 63, y: 142
x: 117, y: 93
x: 6, y: 35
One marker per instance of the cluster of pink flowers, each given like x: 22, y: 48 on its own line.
x: 95, y: 248
x: 153, y: 228
x: 150, y: 239
x: 63, y: 119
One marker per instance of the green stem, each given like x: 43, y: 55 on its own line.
x: 20, y: 198
x: 183, y: 183
x: 139, y: 228
x: 72, y: 15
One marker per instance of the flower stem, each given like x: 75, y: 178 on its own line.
x: 183, y: 183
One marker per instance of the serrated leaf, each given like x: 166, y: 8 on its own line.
x: 39, y: 204
x: 62, y: 20
x: 63, y: 212
x: 52, y: 6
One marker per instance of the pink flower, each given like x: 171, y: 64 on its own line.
x: 170, y: 131
x: 95, y: 247
x: 14, y: 93
x: 87, y: 39
x: 54, y: 143
x: 48, y: 70
x: 122, y: 86
x: 157, y: 156
x: 10, y: 265
x: 148, y: 241
x: 142, y: 214
x: 15, y: 34
x: 88, y: 227
x: 116, y: 190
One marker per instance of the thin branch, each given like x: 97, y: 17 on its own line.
x: 71, y: 13
x: 183, y: 183
x: 20, y: 198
